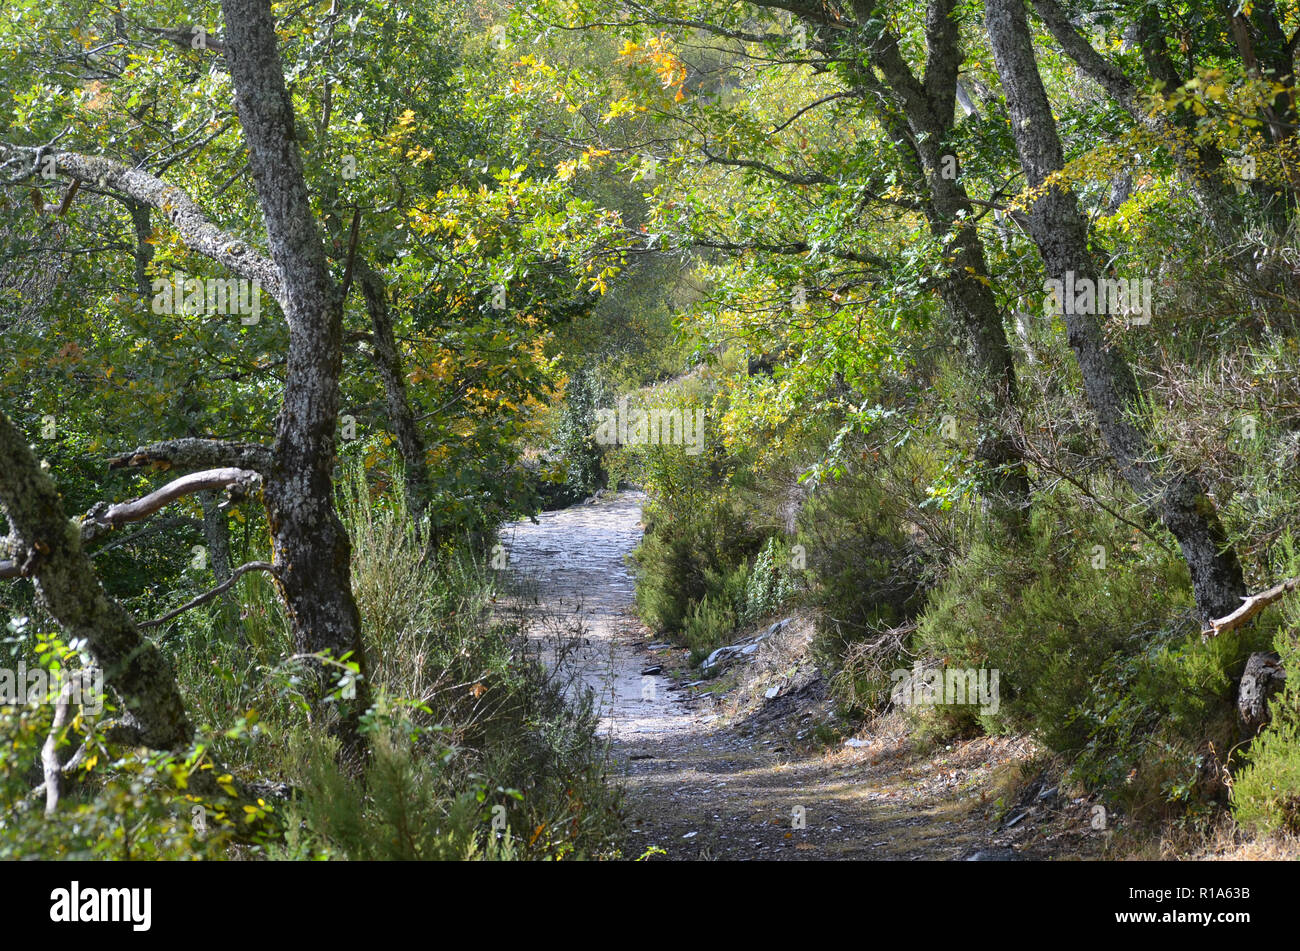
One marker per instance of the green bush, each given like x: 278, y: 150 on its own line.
x: 771, y: 582
x: 1266, y: 793
x: 690, y: 552
x: 707, y: 626
x: 1101, y: 660
x: 467, y: 727
x: 573, y: 438
x: 865, y: 577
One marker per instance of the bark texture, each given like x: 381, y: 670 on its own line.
x: 312, y: 551
x: 1060, y: 231
x: 49, y: 552
x: 388, y: 363
x: 184, y: 214
x: 194, y: 453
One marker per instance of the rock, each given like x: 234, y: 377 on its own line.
x: 857, y: 744
x: 659, y: 646
x: 1047, y: 794
x: 716, y: 656
x: 1016, y: 821
x: 778, y: 626
x: 652, y: 670
x: 771, y: 692
x: 994, y: 855
x: 1263, y: 677
x: 731, y: 650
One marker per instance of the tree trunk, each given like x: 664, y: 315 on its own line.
x: 1060, y: 231
x: 1200, y: 164
x: 311, y: 549
x: 388, y: 362
x: 50, y: 552
x: 929, y: 105
x: 216, y: 532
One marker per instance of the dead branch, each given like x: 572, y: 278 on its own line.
x: 50, y: 750
x: 1250, y: 607
x: 103, y: 517
x: 209, y: 595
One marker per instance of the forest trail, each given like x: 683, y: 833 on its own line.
x: 705, y: 781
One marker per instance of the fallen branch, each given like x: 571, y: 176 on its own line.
x: 209, y: 595
x: 1250, y: 607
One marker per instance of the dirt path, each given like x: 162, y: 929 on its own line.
x: 710, y: 776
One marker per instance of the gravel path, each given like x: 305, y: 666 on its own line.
x: 703, y: 785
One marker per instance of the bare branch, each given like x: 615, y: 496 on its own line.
x: 209, y: 595
x: 50, y: 550
x: 1251, y: 606
x: 189, y: 37
x: 791, y: 247
x: 50, y: 764
x: 103, y: 517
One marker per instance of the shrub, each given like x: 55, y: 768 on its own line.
x: 1102, y: 661
x: 707, y: 626
x: 865, y: 577
x: 467, y: 726
x: 694, y: 551
x: 1266, y: 793
x: 771, y: 582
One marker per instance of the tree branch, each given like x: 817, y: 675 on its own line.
x: 103, y: 517
x: 51, y: 553
x: 190, y: 221
x: 193, y: 453
x: 209, y: 595
x: 1250, y: 607
x: 50, y: 764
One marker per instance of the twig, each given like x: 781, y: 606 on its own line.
x: 209, y: 595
